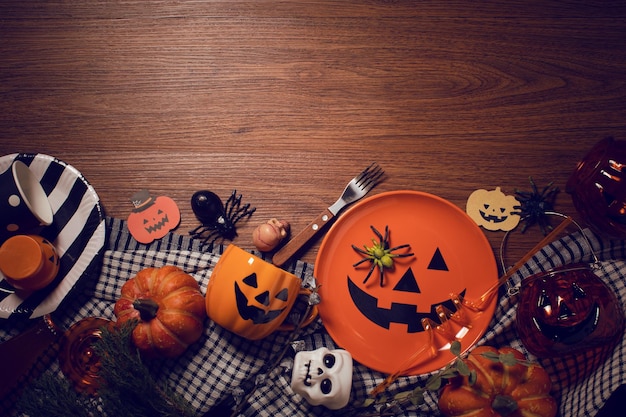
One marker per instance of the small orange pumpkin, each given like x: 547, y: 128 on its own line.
x: 170, y: 309
x: 499, y: 390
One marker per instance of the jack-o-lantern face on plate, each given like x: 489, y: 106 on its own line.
x: 567, y: 310
x: 382, y: 325
x: 405, y: 306
x: 251, y: 297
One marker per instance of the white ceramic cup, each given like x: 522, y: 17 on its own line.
x: 24, y: 205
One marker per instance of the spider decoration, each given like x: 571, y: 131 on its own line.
x: 216, y: 218
x: 535, y: 205
x: 380, y: 255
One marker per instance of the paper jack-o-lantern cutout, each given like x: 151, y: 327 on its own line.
x: 493, y: 210
x: 567, y: 310
x: 251, y: 297
x: 323, y: 377
x: 152, y: 218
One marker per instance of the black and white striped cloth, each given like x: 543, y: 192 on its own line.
x: 220, y: 361
x: 77, y: 233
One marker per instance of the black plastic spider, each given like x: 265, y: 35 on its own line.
x: 217, y: 218
x: 380, y: 254
x: 535, y: 205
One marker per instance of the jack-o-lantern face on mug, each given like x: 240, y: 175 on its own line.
x: 251, y: 297
x: 261, y: 304
x: 566, y: 310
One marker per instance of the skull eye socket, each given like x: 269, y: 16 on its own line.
x: 326, y: 386
x: 329, y: 361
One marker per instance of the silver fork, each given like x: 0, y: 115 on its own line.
x: 356, y: 189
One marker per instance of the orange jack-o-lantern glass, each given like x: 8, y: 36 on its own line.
x: 566, y: 310
x: 598, y: 187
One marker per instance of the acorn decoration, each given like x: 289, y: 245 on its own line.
x: 268, y: 235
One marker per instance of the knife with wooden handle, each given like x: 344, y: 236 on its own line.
x: 302, y: 238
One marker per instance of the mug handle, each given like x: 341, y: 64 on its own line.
x: 313, y: 313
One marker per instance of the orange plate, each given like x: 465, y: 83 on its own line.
x: 381, y: 326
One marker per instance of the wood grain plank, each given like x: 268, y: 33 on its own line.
x: 286, y: 101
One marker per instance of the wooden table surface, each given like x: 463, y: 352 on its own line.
x: 286, y: 101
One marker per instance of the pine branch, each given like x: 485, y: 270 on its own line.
x: 129, y: 388
x: 50, y: 396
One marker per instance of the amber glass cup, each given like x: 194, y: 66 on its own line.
x: 567, y: 310
x: 598, y: 188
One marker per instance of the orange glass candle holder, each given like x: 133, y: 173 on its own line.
x: 598, y: 188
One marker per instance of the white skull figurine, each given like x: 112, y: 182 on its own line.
x: 323, y: 377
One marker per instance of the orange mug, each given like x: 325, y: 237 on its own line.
x: 251, y: 297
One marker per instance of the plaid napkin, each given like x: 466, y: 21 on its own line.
x: 221, y: 361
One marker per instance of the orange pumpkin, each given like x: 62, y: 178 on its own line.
x: 503, y: 390
x: 170, y: 309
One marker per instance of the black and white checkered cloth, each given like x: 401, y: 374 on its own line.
x: 220, y: 361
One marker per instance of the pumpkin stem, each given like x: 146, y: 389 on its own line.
x: 147, y: 308
x: 504, y: 405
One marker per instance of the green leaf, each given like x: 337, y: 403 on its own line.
x: 455, y: 348
x: 492, y: 356
x: 367, y: 402
x: 508, y: 359
x: 401, y: 396
x: 433, y: 384
x: 462, y: 367
x: 417, y: 398
x: 448, y: 373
